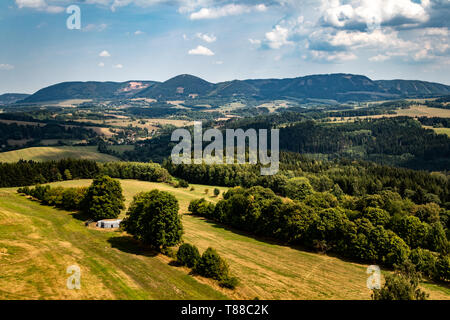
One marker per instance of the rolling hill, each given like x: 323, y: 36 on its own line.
x: 339, y: 87
x: 88, y: 90
x: 115, y: 267
x: 8, y: 98
x: 56, y: 153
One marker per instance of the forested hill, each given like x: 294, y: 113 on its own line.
x: 8, y: 98
x: 397, y: 141
x: 338, y: 87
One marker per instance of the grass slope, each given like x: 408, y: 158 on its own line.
x: 55, y: 153
x: 38, y: 243
x: 267, y: 270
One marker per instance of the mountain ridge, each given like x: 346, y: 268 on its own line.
x: 341, y: 87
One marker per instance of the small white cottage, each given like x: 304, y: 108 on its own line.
x: 109, y: 223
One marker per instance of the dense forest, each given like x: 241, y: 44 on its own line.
x: 399, y: 141
x: 26, y: 173
x: 382, y: 228
x: 36, y: 133
x: 355, y: 178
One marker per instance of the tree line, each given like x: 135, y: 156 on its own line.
x: 26, y: 173
x: 382, y: 228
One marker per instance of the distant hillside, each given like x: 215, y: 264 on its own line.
x: 56, y: 153
x: 414, y: 88
x: 8, y: 98
x: 179, y: 86
x: 339, y: 87
x: 89, y: 90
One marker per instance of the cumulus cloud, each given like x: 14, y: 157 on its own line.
x: 104, y: 53
x: 362, y: 14
x: 278, y: 37
x: 202, y: 51
x: 323, y: 56
x: 40, y: 5
x: 206, y: 37
x: 118, y: 66
x: 227, y: 10
x: 101, y: 64
x: 138, y: 32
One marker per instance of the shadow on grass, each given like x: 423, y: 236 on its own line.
x: 81, y: 216
x: 129, y: 245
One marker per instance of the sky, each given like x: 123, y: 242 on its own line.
x: 221, y: 40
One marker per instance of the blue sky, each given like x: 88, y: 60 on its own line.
x: 221, y: 40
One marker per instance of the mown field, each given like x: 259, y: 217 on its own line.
x: 439, y: 130
x: 413, y: 112
x: 56, y: 153
x: 37, y: 243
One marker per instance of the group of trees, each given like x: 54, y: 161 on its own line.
x: 135, y: 170
x: 382, y: 228
x: 397, y: 141
x: 354, y: 178
x: 65, y: 198
x: 25, y: 173
x: 210, y: 264
x: 103, y: 199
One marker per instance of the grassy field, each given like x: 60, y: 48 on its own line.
x: 439, y: 130
x: 55, y: 153
x: 413, y: 112
x: 114, y: 267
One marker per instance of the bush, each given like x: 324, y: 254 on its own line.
x: 188, y: 255
x: 402, y: 285
x: 230, y: 283
x: 202, y: 208
x: 443, y: 268
x: 425, y: 261
x: 211, y: 265
x: 153, y: 219
x: 183, y: 183
x: 216, y: 192
x: 72, y: 198
x: 169, y: 252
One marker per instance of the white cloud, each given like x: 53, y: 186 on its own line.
x: 101, y: 64
x: 138, y: 32
x: 255, y: 41
x: 6, y: 66
x: 218, y: 62
x: 40, y: 5
x: 332, y: 56
x: 95, y: 27
x: 227, y: 10
x: 278, y: 37
x: 201, y: 50
x: 104, y: 53
x: 118, y: 66
x: 206, y: 37
x: 379, y: 58
x: 339, y: 14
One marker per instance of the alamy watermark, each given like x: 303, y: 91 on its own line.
x: 74, y: 281
x: 74, y: 20
x: 374, y: 280
x: 235, y: 153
